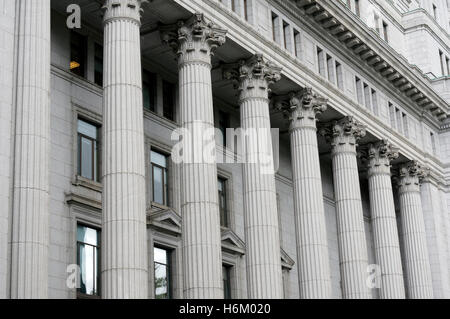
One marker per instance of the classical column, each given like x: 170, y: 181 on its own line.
x: 124, y: 239
x: 29, y: 246
x: 253, y: 78
x: 195, y: 41
x: 7, y: 34
x: 417, y: 263
x: 343, y: 136
x: 384, y: 221
x: 312, y: 246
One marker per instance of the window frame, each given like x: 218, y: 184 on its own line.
x: 95, y: 152
x: 83, y: 46
x: 165, y: 178
x: 170, y: 252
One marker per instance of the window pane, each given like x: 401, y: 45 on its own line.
x: 226, y: 282
x: 149, y: 90
x: 157, y: 185
x: 160, y: 256
x: 86, y: 158
x: 158, y: 159
x: 98, y: 64
x: 168, y: 100
x: 161, y: 282
x: 87, y: 129
x: 88, y: 254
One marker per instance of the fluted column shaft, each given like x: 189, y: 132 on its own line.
x: 261, y: 219
x: 194, y: 42
x: 416, y: 263
x: 311, y: 233
x: 7, y: 34
x: 384, y: 222
x: 350, y: 220
x: 29, y: 247
x: 124, y: 250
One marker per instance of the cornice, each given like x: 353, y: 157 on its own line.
x: 361, y: 40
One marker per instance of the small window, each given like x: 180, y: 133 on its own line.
x: 367, y: 97
x: 226, y: 274
x: 149, y: 90
x: 88, y: 259
x: 169, y: 100
x: 374, y: 102
x: 160, y: 186
x: 98, y: 68
x: 321, y: 61
x: 405, y: 125
x: 78, y: 53
x: 392, y: 114
x: 162, y: 265
x: 233, y: 5
x: 224, y: 124
x: 398, y: 120
x: 434, y: 12
x: 246, y: 9
x: 222, y: 188
x: 385, y: 32
x: 433, y: 143
x: 339, y: 76
x: 357, y: 8
x: 359, y: 92
x: 441, y: 60
x: 330, y: 69
x: 447, y: 62
x: 286, y: 39
x: 297, y: 44
x: 274, y: 27
x: 87, y: 150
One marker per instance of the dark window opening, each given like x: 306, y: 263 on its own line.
x: 169, y: 100
x: 78, y: 53
x: 149, y: 90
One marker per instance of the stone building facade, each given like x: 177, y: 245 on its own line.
x: 94, y: 205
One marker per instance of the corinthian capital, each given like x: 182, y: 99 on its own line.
x: 253, y: 77
x: 346, y: 131
x: 410, y: 175
x: 194, y: 40
x: 378, y: 156
x: 302, y: 108
x: 123, y: 9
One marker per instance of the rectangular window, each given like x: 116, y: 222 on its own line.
x: 160, y: 186
x: 447, y: 62
x: 374, y: 102
x: 78, y: 53
x: 339, y: 76
x: 233, y: 5
x: 433, y: 143
x: 297, y: 44
x: 88, y: 259
x: 149, y: 90
x: 162, y: 265
x: 357, y: 8
x: 169, y: 100
x: 434, y: 12
x: 321, y: 61
x: 286, y: 39
x: 367, y: 97
x: 246, y: 10
x: 392, y: 115
x: 359, y: 92
x: 222, y: 188
x: 87, y: 150
x: 98, y: 61
x: 224, y: 124
x: 275, y: 27
x: 226, y: 274
x: 405, y: 125
x: 441, y: 60
x: 330, y: 69
x: 385, y: 32
x: 398, y: 120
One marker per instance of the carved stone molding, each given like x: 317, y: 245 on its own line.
x: 253, y: 77
x: 194, y: 40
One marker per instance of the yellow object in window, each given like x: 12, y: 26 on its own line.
x: 74, y: 65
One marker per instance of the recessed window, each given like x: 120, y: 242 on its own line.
x: 374, y: 102
x: 226, y: 274
x: 286, y: 39
x: 357, y: 8
x: 162, y: 264
x: 385, y: 32
x: 88, y: 259
x: 98, y: 67
x: 78, y: 53
x: 321, y: 61
x: 447, y: 62
x: 246, y: 9
x: 222, y: 188
x: 297, y: 44
x: 405, y: 125
x: 275, y: 27
x: 359, y: 92
x: 434, y: 12
x: 224, y: 124
x: 367, y: 96
x: 433, y: 142
x: 441, y: 60
x: 169, y: 93
x: 149, y: 90
x: 330, y: 69
x: 160, y: 186
x: 339, y: 76
x: 87, y: 150
x: 392, y: 114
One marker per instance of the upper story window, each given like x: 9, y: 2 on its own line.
x: 385, y: 31
x: 149, y: 90
x: 160, y: 186
x: 441, y: 60
x: 87, y: 150
x: 162, y: 267
x: 169, y: 93
x: 222, y: 188
x: 98, y: 67
x: 78, y: 53
x: 224, y: 124
x: 357, y: 8
x: 435, y: 12
x: 226, y: 275
x: 88, y: 259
